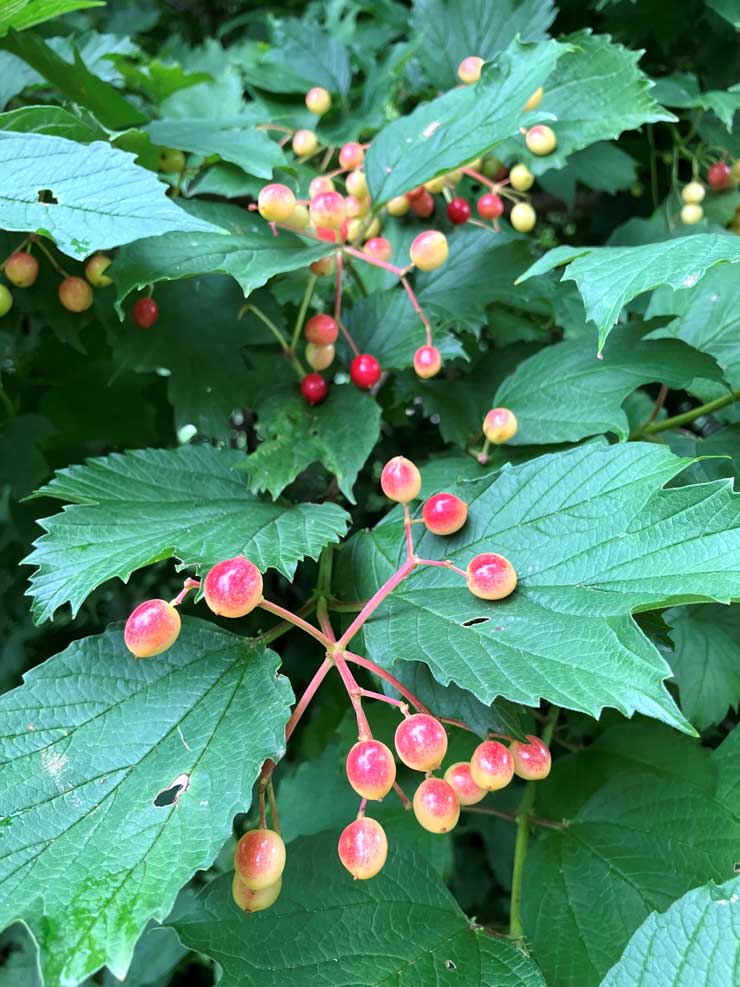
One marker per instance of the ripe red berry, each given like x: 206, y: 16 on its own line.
x: 233, y: 588
x: 319, y: 357
x: 21, y: 269
x: 423, y: 204
x: 719, y: 174
x: 75, y: 294
x: 458, y: 211
x: 321, y: 329
x: 500, y: 425
x: 318, y: 100
x: 255, y: 901
x: 414, y: 193
x: 469, y: 69
x: 490, y: 206
x: 371, y: 769
x: 351, y: 155
x: 145, y: 312
x: 427, y: 362
x: 444, y: 514
x: 429, y: 250
x: 259, y: 859
x: 400, y: 480
x: 378, y: 247
x: 532, y: 761
x: 275, y: 203
x: 365, y: 371
x: 421, y: 742
x: 327, y: 210
x: 491, y: 576
x: 95, y: 269
x: 435, y: 805
x: 151, y: 628
x: 459, y: 778
x: 491, y: 766
x: 363, y: 848
x: 314, y: 388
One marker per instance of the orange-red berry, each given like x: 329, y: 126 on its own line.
x: 500, y: 425
x: 469, y: 69
x: 491, y: 576
x: 351, y: 155
x: 491, y: 766
x: 363, y: 848
x: 321, y: 329
x: 152, y: 628
x: 276, y: 203
x: 21, y: 269
x: 255, y: 901
x: 444, y: 513
x: 400, y: 480
x: 421, y: 742
x: 233, y: 588
x: 427, y: 362
x: 259, y: 858
x: 436, y: 806
x: 532, y: 761
x: 371, y: 769
x: 458, y: 776
x: 75, y: 294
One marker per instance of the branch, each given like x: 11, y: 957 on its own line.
x: 688, y: 416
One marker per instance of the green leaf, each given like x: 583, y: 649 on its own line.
x: 403, y: 927
x: 101, y: 199
x: 129, y: 510
x: 706, y: 661
x: 564, y: 393
x: 460, y: 125
x: 449, y: 32
x: 609, y: 277
x: 251, y: 254
x: 88, y: 762
x: 700, y: 933
x: 306, y: 56
x: 603, y: 165
x: 339, y: 433
x: 51, y: 120
x: 729, y: 9
x: 233, y: 140
x: 17, y: 15
x: 592, y: 536
x: 683, y: 90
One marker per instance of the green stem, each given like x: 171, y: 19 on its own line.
x: 6, y: 402
x: 688, y: 416
x: 516, y: 929
x: 277, y: 334
x: 308, y: 294
x: 356, y: 277
x: 50, y: 257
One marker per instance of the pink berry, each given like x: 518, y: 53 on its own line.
x: 314, y: 388
x: 259, y: 858
x: 371, y: 769
x: 365, y: 371
x: 319, y: 184
x: 469, y: 69
x: 421, y: 742
x: 491, y: 766
x: 423, y: 204
x: 491, y: 576
x: 500, y: 425
x: 444, y: 513
x: 532, y: 761
x: 429, y: 250
x: 145, y: 312
x: 378, y: 247
x: 275, y: 203
x: 458, y: 211
x: 152, y: 628
x: 75, y: 294
x: 255, y: 901
x: 318, y: 100
x: 363, y: 848
x: 490, y: 206
x: 233, y: 588
x: 304, y: 143
x: 427, y: 362
x: 435, y: 805
x: 21, y: 269
x: 415, y: 193
x: 351, y: 156
x: 719, y: 174
x: 321, y: 329
x: 327, y: 210
x: 460, y: 779
x: 400, y: 480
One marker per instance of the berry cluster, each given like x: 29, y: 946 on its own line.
x: 720, y: 176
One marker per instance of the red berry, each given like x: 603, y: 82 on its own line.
x: 400, y: 480
x: 314, y: 388
x: 427, y: 362
x: 327, y: 210
x: 363, y: 848
x: 259, y: 859
x: 491, y: 766
x: 145, y: 313
x: 500, y: 425
x: 75, y: 294
x: 444, y: 514
x: 422, y: 205
x: 532, y: 761
x: 378, y: 247
x: 351, y: 155
x: 435, y: 805
x: 233, y: 588
x: 491, y: 576
x: 365, y: 371
x: 151, y: 628
x: 371, y: 769
x: 321, y: 329
x: 255, y: 901
x: 21, y: 269
x: 458, y: 211
x: 719, y: 174
x: 459, y: 778
x: 421, y: 742
x: 490, y: 206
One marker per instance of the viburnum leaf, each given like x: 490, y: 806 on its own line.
x: 339, y: 433
x: 609, y: 277
x: 101, y: 199
x: 564, y: 393
x: 108, y: 808
x: 129, y: 510
x: 403, y: 927
x: 251, y: 254
x: 683, y: 90
x: 301, y: 56
x: 460, y: 125
x: 603, y: 165
x: 593, y: 537
x: 233, y: 140
x: 17, y: 15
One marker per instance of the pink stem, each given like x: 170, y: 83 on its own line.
x: 417, y: 308
x: 361, y: 255
x: 310, y: 692
x: 322, y: 613
x: 382, y: 698
x: 407, y: 528
x: 456, y: 723
x: 480, y: 178
x: 374, y: 602
x: 353, y: 691
x: 387, y: 677
x: 294, y: 619
x: 186, y: 587
x: 443, y: 565
x: 406, y: 801
x: 338, y: 307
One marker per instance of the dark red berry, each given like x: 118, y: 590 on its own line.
x: 458, y: 211
x: 490, y: 206
x: 423, y: 205
x: 719, y: 174
x: 145, y: 313
x: 364, y: 371
x: 314, y: 388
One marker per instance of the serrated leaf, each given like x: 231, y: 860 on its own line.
x: 85, y: 773
x: 301, y: 56
x: 251, y: 254
x: 460, y: 125
x: 564, y: 393
x: 129, y: 510
x: 339, y: 433
x: 609, y: 277
x: 696, y: 942
x: 101, y: 199
x: 402, y: 927
x: 592, y: 536
x: 683, y: 90
x: 603, y: 165
x: 52, y: 120
x: 18, y: 15
x: 233, y: 140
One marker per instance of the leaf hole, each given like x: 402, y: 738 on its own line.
x: 171, y: 794
x: 46, y: 196
x: 475, y: 620
x: 450, y: 965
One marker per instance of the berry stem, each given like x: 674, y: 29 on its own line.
x: 294, y: 619
x: 187, y: 586
x: 286, y: 625
x: 346, y: 606
x: 285, y: 345
x: 275, y: 818
x: 512, y: 817
x: 417, y: 308
x: 688, y: 416
x: 382, y: 698
x: 52, y: 260
x: 387, y: 677
x: 405, y: 800
x: 361, y: 255
x: 263, y: 814
x: 355, y: 694
x: 455, y: 723
x: 443, y: 565
x: 374, y: 602
x: 476, y: 176
x: 523, y: 818
x: 301, y: 317
x: 310, y: 691
x: 407, y: 529
x: 357, y: 278
x: 338, y: 307
x: 16, y: 250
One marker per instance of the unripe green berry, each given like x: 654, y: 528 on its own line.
x: 95, y: 269
x: 6, y: 300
